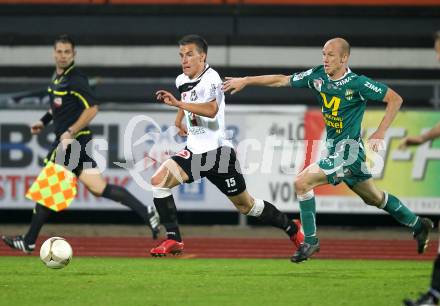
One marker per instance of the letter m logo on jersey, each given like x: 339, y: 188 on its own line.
x: 55, y: 187
x: 333, y: 104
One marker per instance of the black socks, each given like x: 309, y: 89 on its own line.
x: 39, y: 217
x: 123, y: 196
x: 272, y: 216
x: 168, y: 216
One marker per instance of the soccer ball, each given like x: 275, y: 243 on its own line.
x: 56, y: 253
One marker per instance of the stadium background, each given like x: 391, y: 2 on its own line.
x: 128, y: 49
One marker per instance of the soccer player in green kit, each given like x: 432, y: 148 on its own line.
x: 342, y: 96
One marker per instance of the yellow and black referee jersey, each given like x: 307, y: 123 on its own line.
x: 70, y: 94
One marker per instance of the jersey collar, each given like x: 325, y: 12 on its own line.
x: 67, y: 70
x: 342, y: 77
x: 201, y: 73
x: 58, y: 78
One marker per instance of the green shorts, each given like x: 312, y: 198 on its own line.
x: 346, y: 165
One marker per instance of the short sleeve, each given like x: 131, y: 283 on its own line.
x: 301, y: 79
x: 79, y: 87
x: 212, y: 88
x: 371, y: 90
x: 178, y: 81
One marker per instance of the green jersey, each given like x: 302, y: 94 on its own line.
x: 342, y: 101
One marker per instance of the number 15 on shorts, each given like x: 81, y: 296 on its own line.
x: 230, y: 182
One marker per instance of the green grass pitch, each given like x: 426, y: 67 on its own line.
x: 210, y: 282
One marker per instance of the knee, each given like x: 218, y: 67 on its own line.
x: 374, y: 200
x: 301, y: 187
x: 245, y: 206
x: 97, y: 191
x: 158, y: 179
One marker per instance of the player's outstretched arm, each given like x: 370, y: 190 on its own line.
x: 420, y: 139
x: 234, y: 85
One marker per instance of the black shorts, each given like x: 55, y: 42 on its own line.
x: 219, y: 166
x: 77, y: 155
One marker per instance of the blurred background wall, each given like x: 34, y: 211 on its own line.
x: 129, y: 50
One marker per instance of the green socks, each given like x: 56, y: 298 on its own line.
x: 401, y: 213
x: 308, y: 220
x: 393, y: 206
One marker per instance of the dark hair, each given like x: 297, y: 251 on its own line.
x: 198, y: 40
x: 437, y: 35
x: 65, y: 39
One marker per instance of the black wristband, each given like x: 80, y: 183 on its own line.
x: 46, y: 118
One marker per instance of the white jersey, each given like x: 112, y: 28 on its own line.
x: 204, y: 134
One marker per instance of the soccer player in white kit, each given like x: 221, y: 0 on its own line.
x: 208, y: 153
x: 432, y: 296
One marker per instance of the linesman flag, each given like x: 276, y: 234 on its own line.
x: 55, y: 187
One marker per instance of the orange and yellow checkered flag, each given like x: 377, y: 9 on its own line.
x: 55, y: 187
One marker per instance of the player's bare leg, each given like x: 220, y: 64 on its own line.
x: 169, y: 175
